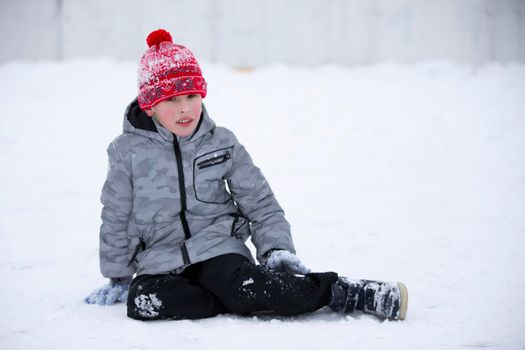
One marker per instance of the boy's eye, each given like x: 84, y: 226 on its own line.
x: 192, y: 95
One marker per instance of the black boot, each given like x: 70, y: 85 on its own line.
x: 346, y: 295
x: 383, y: 299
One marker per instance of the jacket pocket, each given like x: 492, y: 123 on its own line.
x: 240, y: 227
x: 208, y: 176
x: 141, y: 246
x: 144, y: 235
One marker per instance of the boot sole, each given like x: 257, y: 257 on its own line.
x: 403, y: 305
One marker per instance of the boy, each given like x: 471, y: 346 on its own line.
x: 180, y: 199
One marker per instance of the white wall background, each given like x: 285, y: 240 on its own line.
x: 256, y: 32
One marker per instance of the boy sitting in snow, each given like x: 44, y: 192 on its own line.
x: 180, y: 199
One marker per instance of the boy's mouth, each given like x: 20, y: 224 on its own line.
x: 184, y: 122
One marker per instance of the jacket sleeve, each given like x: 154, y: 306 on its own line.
x: 256, y: 201
x: 117, y: 199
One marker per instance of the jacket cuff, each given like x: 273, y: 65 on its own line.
x: 267, y: 255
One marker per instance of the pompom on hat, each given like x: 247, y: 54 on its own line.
x: 167, y: 70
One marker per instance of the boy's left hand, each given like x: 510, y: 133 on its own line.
x: 284, y: 261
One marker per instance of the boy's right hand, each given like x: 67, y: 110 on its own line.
x: 116, y: 291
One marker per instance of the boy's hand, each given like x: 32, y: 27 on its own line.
x: 116, y: 291
x: 284, y: 261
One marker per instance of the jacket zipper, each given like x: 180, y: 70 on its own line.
x: 182, y: 189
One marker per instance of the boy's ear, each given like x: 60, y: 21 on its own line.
x: 149, y: 112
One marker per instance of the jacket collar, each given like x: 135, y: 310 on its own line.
x: 137, y: 121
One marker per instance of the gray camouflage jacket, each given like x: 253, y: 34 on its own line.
x: 169, y: 202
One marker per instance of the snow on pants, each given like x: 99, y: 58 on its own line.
x: 228, y: 283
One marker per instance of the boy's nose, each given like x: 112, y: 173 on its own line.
x: 184, y: 108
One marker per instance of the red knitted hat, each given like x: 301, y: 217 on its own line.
x: 167, y: 70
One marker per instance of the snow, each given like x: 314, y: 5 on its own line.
x: 247, y: 282
x: 400, y: 173
x: 148, y: 305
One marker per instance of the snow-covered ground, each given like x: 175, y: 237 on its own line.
x: 411, y: 173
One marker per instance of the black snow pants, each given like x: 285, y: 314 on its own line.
x: 228, y: 283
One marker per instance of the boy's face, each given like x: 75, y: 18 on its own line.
x: 180, y: 114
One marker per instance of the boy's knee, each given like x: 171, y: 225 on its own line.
x: 142, y: 304
x: 170, y: 297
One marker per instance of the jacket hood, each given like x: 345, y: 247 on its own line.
x: 136, y: 121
